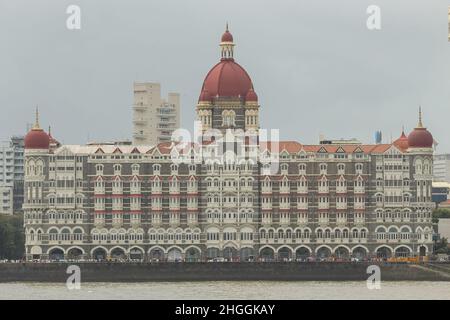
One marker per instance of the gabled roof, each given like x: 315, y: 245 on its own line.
x: 273, y: 146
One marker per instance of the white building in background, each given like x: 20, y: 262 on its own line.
x: 6, y: 200
x: 11, y: 175
x: 441, y: 167
x: 154, y: 118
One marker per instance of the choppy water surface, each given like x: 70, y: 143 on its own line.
x: 228, y: 290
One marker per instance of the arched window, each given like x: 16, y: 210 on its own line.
x: 363, y: 233
x: 135, y: 169
x: 174, y: 168
x: 99, y: 169
x: 228, y: 117
x: 302, y: 168
x: 117, y: 169
x: 319, y: 234
x: 345, y: 234
x: 156, y: 168
x: 337, y: 234
x: 359, y: 168
x: 379, y: 198
x: 323, y: 168
x: 306, y: 234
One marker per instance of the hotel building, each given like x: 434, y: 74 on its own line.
x: 211, y: 198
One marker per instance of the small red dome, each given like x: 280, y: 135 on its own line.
x: 37, y: 139
x: 227, y: 37
x: 402, y: 142
x: 227, y: 79
x: 251, y: 95
x: 204, y: 96
x: 420, y: 137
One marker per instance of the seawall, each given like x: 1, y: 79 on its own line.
x: 141, y: 272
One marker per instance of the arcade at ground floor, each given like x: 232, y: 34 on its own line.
x: 202, y: 253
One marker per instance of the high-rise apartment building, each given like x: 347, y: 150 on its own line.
x: 441, y: 168
x: 11, y: 175
x: 154, y: 118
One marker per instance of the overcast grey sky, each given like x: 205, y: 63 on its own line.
x: 315, y: 66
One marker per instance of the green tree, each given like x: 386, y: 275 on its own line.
x: 442, y: 246
x: 440, y: 213
x: 12, y: 238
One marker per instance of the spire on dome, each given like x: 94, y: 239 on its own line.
x: 420, y: 137
x: 36, y: 138
x: 36, y: 123
x: 420, y: 125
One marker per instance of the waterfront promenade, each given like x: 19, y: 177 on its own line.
x: 223, y: 271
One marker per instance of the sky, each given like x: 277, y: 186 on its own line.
x: 316, y: 67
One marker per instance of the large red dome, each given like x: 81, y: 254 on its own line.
x: 420, y: 138
x: 37, y: 139
x: 227, y: 79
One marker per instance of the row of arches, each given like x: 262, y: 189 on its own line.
x: 53, y: 214
x: 401, y: 233
x: 117, y: 234
x: 65, y: 234
x: 306, y: 233
x: 118, y: 253
x: 341, y: 251
x: 229, y: 234
x: 34, y: 167
x: 177, y: 234
x: 404, y: 214
x: 230, y: 253
x: 423, y: 166
x: 341, y: 233
x: 174, y: 234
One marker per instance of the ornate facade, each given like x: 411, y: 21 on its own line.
x: 212, y: 198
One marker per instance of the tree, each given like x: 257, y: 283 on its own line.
x: 442, y: 246
x: 12, y: 238
x: 440, y: 213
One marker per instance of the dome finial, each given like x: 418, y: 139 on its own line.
x: 420, y: 125
x: 226, y: 44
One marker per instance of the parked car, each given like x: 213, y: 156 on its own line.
x: 220, y: 259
